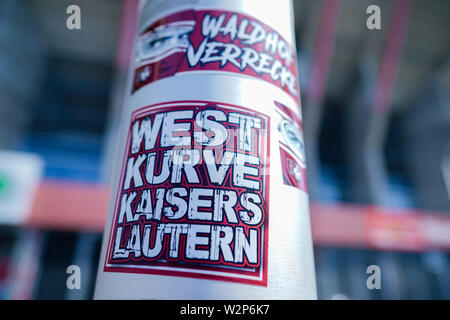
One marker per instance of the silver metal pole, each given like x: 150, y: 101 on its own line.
x: 210, y: 198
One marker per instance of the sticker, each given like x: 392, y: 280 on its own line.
x: 193, y: 197
x: 292, y: 147
x: 209, y: 40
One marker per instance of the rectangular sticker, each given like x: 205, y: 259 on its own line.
x: 215, y: 41
x: 193, y: 200
x: 292, y: 147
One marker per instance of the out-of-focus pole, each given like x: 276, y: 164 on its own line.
x: 210, y: 198
x: 316, y: 90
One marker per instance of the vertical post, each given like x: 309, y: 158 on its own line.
x: 210, y: 200
x: 25, y: 262
x: 391, y: 59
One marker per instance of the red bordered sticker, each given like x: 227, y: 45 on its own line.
x: 193, y: 196
x: 292, y: 147
x: 215, y: 41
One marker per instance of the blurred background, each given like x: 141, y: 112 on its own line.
x: 377, y: 129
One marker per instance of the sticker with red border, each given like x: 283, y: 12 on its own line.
x: 215, y: 41
x: 193, y: 194
x: 292, y: 147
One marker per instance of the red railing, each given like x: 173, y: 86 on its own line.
x: 83, y: 207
